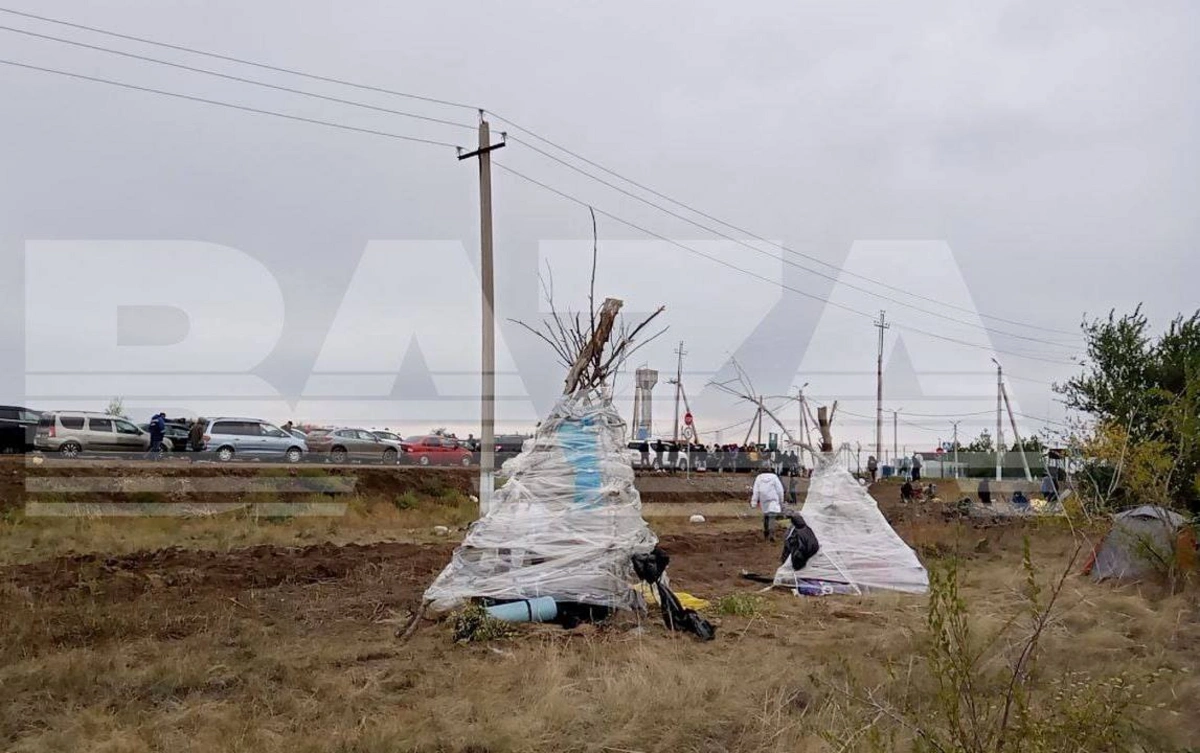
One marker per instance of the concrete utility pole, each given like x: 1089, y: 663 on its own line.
x: 895, y: 434
x: 760, y: 415
x: 679, y: 352
x: 999, y: 424
x: 956, y: 423
x: 487, y: 392
x: 803, y: 423
x: 882, y: 325
x: 1016, y: 434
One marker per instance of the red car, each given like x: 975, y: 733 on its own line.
x: 435, y: 450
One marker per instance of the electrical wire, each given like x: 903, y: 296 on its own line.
x: 533, y: 134
x: 748, y: 233
x: 242, y: 61
x: 230, y: 105
x: 750, y: 273
x: 239, y: 79
x: 784, y: 259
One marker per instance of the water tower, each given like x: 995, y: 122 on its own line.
x: 643, y: 406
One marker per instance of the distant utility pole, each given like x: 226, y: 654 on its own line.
x: 956, y: 423
x: 881, y: 325
x: 1016, y: 434
x: 680, y: 353
x: 803, y: 423
x: 999, y: 423
x: 487, y: 392
x: 895, y: 435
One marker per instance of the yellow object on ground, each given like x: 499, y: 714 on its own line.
x: 686, y: 599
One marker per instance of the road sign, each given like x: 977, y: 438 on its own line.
x: 687, y: 418
x: 689, y: 433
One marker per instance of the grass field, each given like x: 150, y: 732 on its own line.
x: 279, y: 635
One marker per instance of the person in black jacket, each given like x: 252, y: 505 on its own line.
x: 800, y: 544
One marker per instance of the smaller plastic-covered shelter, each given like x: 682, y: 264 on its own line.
x: 859, y: 551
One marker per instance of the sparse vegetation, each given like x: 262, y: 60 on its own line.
x: 292, y: 647
x: 473, y: 624
x: 740, y: 604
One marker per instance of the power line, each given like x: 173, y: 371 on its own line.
x: 242, y: 61
x: 767, y: 280
x: 535, y: 135
x: 784, y: 259
x: 230, y: 105
x: 239, y: 79
x: 748, y: 233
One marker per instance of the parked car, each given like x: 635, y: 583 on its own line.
x: 252, y: 437
x: 345, y: 443
x: 435, y: 450
x: 70, y: 433
x: 176, y: 437
x: 18, y: 428
x: 389, y: 436
x: 508, y: 446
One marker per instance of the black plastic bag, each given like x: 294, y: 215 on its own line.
x: 650, y: 568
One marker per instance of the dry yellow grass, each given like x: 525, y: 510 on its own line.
x: 315, y: 666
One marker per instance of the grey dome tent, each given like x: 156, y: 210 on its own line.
x: 1142, y: 541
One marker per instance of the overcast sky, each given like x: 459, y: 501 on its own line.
x: 1026, y: 160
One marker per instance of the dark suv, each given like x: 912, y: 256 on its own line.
x: 17, y: 428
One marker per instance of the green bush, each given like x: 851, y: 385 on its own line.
x: 740, y: 605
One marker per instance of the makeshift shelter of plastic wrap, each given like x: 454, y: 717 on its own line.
x: 859, y: 550
x: 565, y: 523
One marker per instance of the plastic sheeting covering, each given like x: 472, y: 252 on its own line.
x: 859, y: 550
x: 565, y: 523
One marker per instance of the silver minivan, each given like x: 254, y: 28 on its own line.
x: 72, y: 432
x: 251, y: 437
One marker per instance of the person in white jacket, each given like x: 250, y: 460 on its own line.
x: 768, y: 495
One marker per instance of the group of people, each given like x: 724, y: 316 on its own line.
x: 909, y: 468
x: 1049, y: 489
x: 718, y: 458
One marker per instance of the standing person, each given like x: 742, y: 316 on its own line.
x: 658, y: 454
x: 673, y: 456
x: 289, y: 427
x: 916, y: 466
x: 196, y: 435
x: 985, y: 491
x: 792, y: 487
x: 1049, y: 490
x: 644, y: 451
x: 873, y: 468
x: 158, y: 429
x: 767, y: 495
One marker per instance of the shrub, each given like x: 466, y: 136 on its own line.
x: 740, y: 605
x: 984, y: 694
x: 473, y: 624
x: 406, y: 501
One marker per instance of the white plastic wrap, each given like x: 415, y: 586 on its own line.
x: 858, y: 546
x: 565, y: 523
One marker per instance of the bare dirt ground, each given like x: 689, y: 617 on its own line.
x: 232, y: 633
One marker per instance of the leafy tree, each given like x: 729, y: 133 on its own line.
x: 116, y: 407
x: 1145, y: 394
x: 1029, y: 444
x: 981, y: 443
